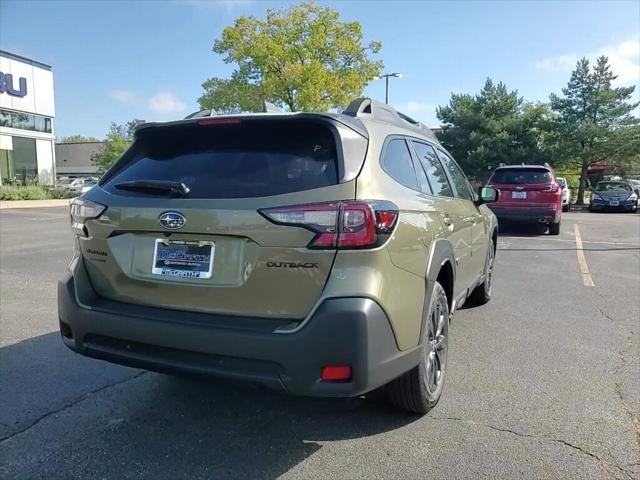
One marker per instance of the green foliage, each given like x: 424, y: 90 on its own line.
x: 118, y: 140
x: 76, y: 139
x: 496, y: 126
x: 595, y: 122
x: 300, y: 58
x: 29, y: 192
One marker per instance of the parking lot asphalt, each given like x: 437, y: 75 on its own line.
x: 544, y: 381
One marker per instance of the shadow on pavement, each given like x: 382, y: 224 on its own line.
x: 521, y: 229
x: 117, y: 422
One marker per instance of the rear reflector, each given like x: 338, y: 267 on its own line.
x: 336, y: 373
x: 345, y: 225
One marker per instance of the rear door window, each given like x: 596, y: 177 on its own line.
x: 397, y: 162
x: 521, y: 176
x: 247, y: 158
x: 433, y: 169
x: 459, y: 180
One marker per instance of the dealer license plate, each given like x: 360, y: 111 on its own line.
x: 183, y: 258
x: 518, y: 194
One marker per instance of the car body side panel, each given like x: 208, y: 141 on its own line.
x: 482, y: 224
x: 372, y: 274
x: 409, y: 248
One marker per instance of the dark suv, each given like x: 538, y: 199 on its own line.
x: 528, y: 194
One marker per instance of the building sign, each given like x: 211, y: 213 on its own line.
x: 6, y: 85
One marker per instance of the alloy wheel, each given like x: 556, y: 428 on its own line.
x: 436, y: 345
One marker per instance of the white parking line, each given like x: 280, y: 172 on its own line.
x: 582, y: 261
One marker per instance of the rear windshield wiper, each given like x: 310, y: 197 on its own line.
x: 167, y: 186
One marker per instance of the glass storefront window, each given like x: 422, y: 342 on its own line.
x: 25, y: 160
x: 40, y: 124
x: 25, y: 121
x: 6, y: 167
x: 5, y: 118
x: 22, y: 121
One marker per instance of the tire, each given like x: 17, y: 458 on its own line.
x: 568, y: 207
x: 554, y: 228
x: 419, y: 390
x: 482, y: 293
x: 565, y: 208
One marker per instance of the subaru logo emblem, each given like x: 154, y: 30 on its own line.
x: 172, y: 220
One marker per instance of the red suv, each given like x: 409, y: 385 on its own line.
x: 528, y: 194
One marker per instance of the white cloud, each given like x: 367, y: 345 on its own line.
x: 421, y: 111
x: 124, y: 96
x: 413, y: 106
x: 228, y: 5
x: 624, y: 59
x: 166, y: 102
x: 564, y: 62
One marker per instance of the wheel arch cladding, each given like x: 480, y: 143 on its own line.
x: 441, y: 269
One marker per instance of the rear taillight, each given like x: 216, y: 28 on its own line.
x: 82, y: 210
x: 345, y: 225
x: 552, y: 187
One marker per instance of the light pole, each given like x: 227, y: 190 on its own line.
x: 386, y: 81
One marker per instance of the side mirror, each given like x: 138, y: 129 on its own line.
x: 487, y: 195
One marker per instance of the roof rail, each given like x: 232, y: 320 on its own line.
x: 363, y: 107
x: 210, y: 112
x: 268, y: 107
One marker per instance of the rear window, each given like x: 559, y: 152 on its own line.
x: 253, y: 158
x: 521, y: 175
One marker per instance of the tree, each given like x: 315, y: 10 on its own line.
x: 301, y: 58
x: 77, y: 139
x: 496, y: 126
x: 116, y: 143
x: 594, y: 122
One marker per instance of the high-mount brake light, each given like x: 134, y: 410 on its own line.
x: 210, y: 122
x: 343, y: 225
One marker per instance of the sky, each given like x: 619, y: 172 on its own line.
x: 117, y: 60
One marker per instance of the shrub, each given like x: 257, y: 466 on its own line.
x: 30, y: 192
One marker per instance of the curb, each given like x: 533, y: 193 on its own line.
x: 9, y: 204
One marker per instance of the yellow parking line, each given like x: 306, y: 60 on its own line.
x: 582, y: 261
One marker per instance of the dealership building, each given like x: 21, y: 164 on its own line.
x: 27, y: 110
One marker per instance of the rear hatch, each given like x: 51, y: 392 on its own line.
x: 182, y: 227
x: 525, y: 186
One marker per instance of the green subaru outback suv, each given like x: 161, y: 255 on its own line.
x: 322, y: 254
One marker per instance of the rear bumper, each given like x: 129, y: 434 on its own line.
x: 342, y: 331
x: 606, y: 207
x: 525, y: 214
